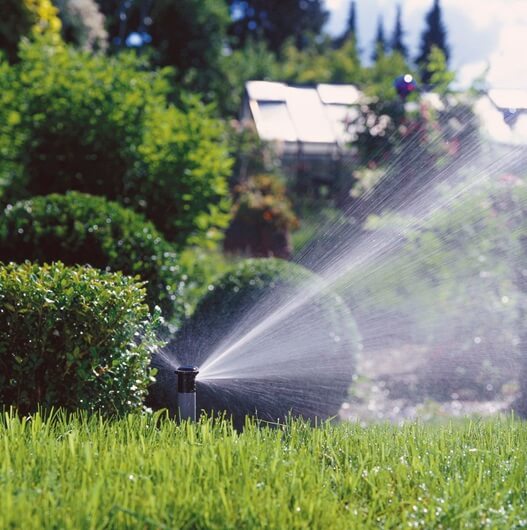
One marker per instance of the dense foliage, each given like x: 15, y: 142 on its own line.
x: 75, y: 338
x: 190, y: 35
x: 26, y: 18
x: 275, y: 21
x: 434, y: 35
x: 262, y: 218
x: 81, y: 229
x: 247, y: 294
x: 74, y: 121
x: 320, y: 62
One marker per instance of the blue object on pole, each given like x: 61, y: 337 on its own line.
x: 134, y: 40
x: 405, y: 85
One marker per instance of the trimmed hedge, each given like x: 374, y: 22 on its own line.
x: 76, y: 338
x: 322, y: 328
x: 81, y: 229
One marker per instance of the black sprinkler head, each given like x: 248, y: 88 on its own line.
x: 186, y: 379
x: 186, y: 392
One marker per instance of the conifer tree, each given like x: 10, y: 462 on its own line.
x: 397, y: 43
x: 351, y: 27
x: 379, y: 46
x: 352, y: 20
x: 434, y: 34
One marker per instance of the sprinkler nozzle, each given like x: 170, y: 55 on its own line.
x: 186, y: 392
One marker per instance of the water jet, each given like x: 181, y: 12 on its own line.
x: 186, y: 392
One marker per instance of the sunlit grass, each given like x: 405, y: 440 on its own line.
x: 148, y: 472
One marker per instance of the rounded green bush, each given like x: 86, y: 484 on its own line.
x: 82, y: 229
x: 76, y: 338
x: 319, y: 333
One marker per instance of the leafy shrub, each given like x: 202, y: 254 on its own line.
x: 83, y: 24
x: 262, y: 218
x: 202, y: 267
x: 26, y: 18
x: 81, y: 229
x: 73, y: 338
x: 74, y: 121
x: 319, y: 336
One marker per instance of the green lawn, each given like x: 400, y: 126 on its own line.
x: 143, y: 472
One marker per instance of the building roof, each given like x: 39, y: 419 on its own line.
x: 503, y: 115
x: 315, y: 116
x: 509, y: 98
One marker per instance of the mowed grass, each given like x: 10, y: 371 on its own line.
x: 147, y: 472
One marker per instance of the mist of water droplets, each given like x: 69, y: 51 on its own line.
x: 282, y: 345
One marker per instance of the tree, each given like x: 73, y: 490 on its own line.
x: 70, y: 120
x: 189, y: 35
x: 379, y: 45
x: 24, y: 18
x: 379, y: 77
x: 252, y: 61
x: 439, y: 75
x: 351, y: 27
x: 434, y: 34
x: 275, y: 21
x: 397, y: 43
x: 310, y: 65
x: 319, y: 62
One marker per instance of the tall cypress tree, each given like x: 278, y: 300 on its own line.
x: 351, y: 27
x: 397, y: 43
x: 434, y: 34
x: 379, y: 45
x: 352, y: 20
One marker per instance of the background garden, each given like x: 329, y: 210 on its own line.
x: 141, y: 217
x: 120, y: 149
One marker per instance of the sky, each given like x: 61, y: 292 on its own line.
x: 481, y: 33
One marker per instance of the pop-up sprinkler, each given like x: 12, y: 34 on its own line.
x: 186, y: 392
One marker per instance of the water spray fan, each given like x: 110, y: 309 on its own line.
x: 186, y: 392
